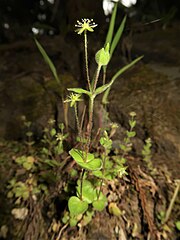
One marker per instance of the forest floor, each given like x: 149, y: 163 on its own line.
x: 144, y: 200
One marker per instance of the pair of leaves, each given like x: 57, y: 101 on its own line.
x: 90, y: 195
x: 85, y: 160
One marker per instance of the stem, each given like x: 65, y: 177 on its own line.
x: 81, y: 186
x: 77, y: 120
x: 168, y: 213
x: 90, y: 123
x: 86, y: 60
x: 97, y: 77
x: 103, y: 170
x: 104, y: 75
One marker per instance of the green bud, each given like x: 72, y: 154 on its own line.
x: 102, y: 56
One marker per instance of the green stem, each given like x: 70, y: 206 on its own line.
x: 104, y: 75
x: 86, y: 59
x: 97, y: 77
x: 77, y: 120
x: 103, y: 171
x: 90, y: 123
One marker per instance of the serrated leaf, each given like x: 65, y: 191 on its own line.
x: 77, y: 206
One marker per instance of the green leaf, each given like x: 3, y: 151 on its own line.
x: 73, y: 222
x: 117, y: 36
x: 100, y: 203
x: 130, y: 134
x: 178, y: 225
x: 103, y: 88
x: 53, y: 132
x: 48, y: 61
x: 77, y: 206
x: 90, y: 163
x: 80, y: 156
x: 132, y: 123
x: 27, y: 165
x: 79, y: 90
x: 111, y: 26
x: 102, y: 56
x: 88, y: 191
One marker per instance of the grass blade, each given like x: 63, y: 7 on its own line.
x: 117, y: 36
x: 111, y: 26
x: 48, y: 61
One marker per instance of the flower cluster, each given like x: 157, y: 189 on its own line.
x: 73, y: 98
x: 85, y: 25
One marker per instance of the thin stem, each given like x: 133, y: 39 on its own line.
x: 168, y: 213
x: 86, y: 59
x: 104, y: 76
x: 90, y: 123
x: 81, y: 186
x: 97, y: 77
x: 103, y: 171
x: 77, y: 119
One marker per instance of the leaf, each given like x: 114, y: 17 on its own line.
x: 79, y: 90
x: 79, y: 155
x: 100, y: 203
x: 131, y: 134
x: 73, y: 222
x: 178, y: 225
x: 117, y: 36
x: 111, y: 26
x: 77, y: 206
x: 88, y: 191
x: 89, y: 163
x: 48, y: 61
x: 102, y: 88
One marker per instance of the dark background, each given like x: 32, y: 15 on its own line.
x: 17, y: 18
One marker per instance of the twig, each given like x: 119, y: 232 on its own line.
x: 169, y: 210
x: 61, y: 230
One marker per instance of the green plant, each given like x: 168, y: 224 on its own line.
x: 29, y: 134
x: 147, y: 155
x: 96, y: 167
x: 89, y: 193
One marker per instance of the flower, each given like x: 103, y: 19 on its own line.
x: 73, y: 98
x: 85, y: 25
